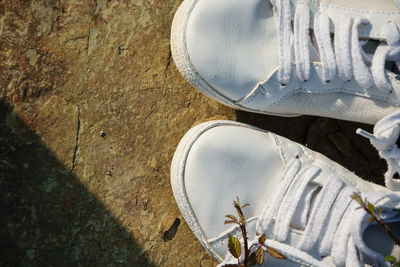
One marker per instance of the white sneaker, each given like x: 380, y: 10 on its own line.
x: 244, y: 54
x: 298, y: 198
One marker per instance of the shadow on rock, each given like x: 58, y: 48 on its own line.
x: 48, y: 218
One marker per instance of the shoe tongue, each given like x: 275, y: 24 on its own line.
x: 303, y: 209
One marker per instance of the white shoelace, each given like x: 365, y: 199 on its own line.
x: 348, y: 59
x: 335, y: 222
x: 386, y: 134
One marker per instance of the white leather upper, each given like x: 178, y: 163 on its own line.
x: 226, y: 162
x: 229, y: 43
x: 233, y: 47
x: 268, y: 93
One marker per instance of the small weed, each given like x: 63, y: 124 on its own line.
x: 253, y: 255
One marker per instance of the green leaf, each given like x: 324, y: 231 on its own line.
x: 252, y: 259
x: 234, y: 246
x: 357, y: 198
x: 262, y: 239
x: 230, y: 222
x: 371, y: 208
x: 232, y: 217
x: 275, y: 253
x: 260, y: 256
x: 244, y: 206
x: 390, y: 259
x: 398, y: 264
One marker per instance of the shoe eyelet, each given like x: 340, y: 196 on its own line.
x: 283, y: 84
x: 397, y: 77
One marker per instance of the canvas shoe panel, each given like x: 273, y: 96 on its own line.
x: 219, y: 160
x: 229, y: 51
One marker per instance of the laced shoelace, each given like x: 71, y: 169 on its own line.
x: 346, y: 59
x: 334, y: 226
x: 384, y: 139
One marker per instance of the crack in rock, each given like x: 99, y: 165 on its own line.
x: 76, y: 139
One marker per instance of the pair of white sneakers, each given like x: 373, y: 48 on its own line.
x: 333, y: 58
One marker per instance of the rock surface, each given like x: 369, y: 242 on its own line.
x: 91, y: 110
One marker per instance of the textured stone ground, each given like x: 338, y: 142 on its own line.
x: 91, y: 110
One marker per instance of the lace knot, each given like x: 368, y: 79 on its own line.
x: 384, y: 144
x: 384, y: 139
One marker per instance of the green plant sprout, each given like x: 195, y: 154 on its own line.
x: 235, y: 247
